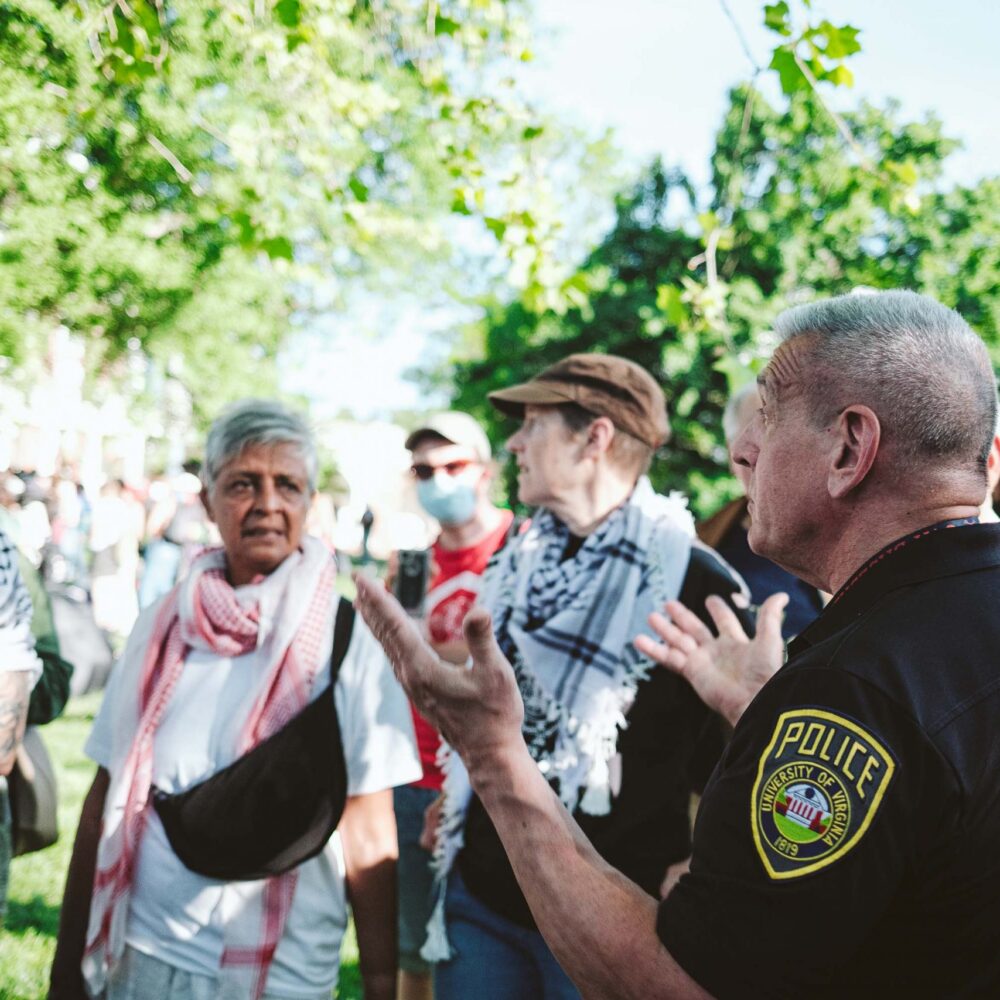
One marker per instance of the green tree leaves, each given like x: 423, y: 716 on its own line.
x: 129, y: 39
x: 304, y: 149
x: 777, y: 18
x: 813, y: 53
x: 791, y: 217
x: 445, y: 25
x: 289, y: 13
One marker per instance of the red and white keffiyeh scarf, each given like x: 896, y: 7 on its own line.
x: 204, y: 612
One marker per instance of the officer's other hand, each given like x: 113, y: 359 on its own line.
x: 478, y: 710
x: 726, y: 671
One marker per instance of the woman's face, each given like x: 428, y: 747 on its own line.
x: 548, y: 457
x: 259, y: 503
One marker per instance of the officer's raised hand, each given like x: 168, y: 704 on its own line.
x: 479, y: 710
x: 726, y: 671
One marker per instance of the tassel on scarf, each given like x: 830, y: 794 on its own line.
x: 437, y: 948
x: 596, y: 799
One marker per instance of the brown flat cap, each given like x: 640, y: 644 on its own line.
x: 602, y: 384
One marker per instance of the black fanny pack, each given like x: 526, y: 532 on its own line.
x: 277, y: 805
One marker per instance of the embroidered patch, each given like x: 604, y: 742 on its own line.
x: 818, y: 787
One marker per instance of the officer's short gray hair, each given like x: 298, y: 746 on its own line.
x: 256, y: 421
x: 916, y: 363
x: 736, y: 416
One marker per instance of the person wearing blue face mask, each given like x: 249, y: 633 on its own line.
x: 623, y: 748
x: 452, y: 466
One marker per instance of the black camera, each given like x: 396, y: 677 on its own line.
x: 411, y: 579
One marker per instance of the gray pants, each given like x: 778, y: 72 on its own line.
x: 141, y: 977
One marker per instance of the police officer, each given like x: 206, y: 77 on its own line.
x: 848, y: 842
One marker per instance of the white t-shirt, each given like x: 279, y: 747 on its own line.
x: 176, y: 915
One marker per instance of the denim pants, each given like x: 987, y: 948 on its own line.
x: 495, y: 959
x: 415, y: 877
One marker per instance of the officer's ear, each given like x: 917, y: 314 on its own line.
x: 856, y: 436
x: 993, y: 469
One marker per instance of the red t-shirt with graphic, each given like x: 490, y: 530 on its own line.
x: 451, y: 594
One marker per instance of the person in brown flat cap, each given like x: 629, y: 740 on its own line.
x: 567, y: 597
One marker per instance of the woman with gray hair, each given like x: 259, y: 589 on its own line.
x: 214, y: 681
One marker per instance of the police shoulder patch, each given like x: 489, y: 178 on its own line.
x: 819, y: 784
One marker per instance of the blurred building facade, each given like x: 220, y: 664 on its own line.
x: 135, y: 421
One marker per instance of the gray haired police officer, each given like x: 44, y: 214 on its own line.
x: 849, y: 842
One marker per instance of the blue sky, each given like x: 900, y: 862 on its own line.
x: 656, y: 72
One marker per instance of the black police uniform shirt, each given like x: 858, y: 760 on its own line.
x: 849, y: 842
x: 669, y: 748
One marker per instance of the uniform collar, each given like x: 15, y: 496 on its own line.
x: 939, y: 550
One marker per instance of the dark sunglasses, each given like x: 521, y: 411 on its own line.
x: 425, y: 472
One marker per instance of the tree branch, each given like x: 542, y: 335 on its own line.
x: 182, y: 171
x: 842, y: 126
x: 739, y: 34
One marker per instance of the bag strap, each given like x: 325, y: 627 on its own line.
x: 342, y: 629
x: 516, y: 524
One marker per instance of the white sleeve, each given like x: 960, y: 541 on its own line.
x: 100, y: 743
x: 375, y: 722
x: 17, y: 644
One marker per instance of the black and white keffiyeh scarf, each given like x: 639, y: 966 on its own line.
x: 17, y: 644
x: 567, y: 626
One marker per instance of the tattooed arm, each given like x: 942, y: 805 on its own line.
x: 14, y: 694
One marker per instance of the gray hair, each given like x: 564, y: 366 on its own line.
x: 734, y: 417
x: 916, y: 363
x: 256, y: 421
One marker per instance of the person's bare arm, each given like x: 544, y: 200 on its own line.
x: 14, y: 696
x: 600, y: 926
x: 368, y: 835
x: 726, y: 671
x: 66, y: 979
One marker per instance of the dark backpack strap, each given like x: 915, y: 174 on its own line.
x: 513, y: 531
x: 342, y: 629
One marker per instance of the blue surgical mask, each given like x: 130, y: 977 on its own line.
x: 447, y: 498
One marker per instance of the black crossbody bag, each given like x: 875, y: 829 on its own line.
x: 277, y: 805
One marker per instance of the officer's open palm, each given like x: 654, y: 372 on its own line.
x: 726, y: 671
x: 478, y: 710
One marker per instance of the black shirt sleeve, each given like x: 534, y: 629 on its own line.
x: 810, y: 823
x: 709, y: 574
